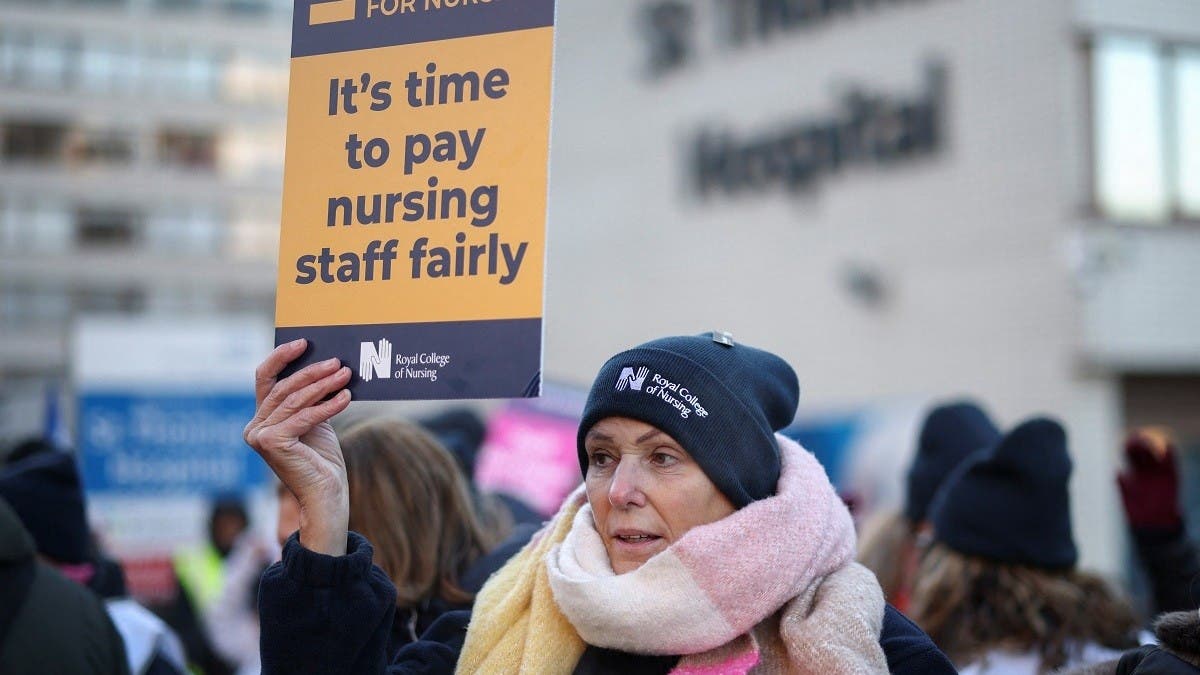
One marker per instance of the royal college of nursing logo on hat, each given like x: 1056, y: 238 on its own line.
x: 632, y: 380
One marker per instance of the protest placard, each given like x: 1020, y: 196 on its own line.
x: 414, y: 206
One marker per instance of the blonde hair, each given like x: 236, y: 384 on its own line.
x: 884, y: 547
x: 971, y: 606
x: 411, y: 501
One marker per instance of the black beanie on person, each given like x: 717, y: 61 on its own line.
x: 721, y: 401
x: 950, y: 433
x: 46, y: 492
x: 1010, y: 503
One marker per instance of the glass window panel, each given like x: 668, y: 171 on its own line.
x: 98, y: 67
x: 199, y: 75
x: 9, y: 232
x: 47, y: 62
x: 20, y: 47
x: 1130, y: 181
x: 8, y: 57
x: 49, y: 228
x: 1187, y: 124
x: 97, y: 228
x: 133, y: 72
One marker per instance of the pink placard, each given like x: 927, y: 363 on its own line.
x: 530, y: 455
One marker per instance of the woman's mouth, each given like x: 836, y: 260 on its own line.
x: 635, y: 541
x: 628, y: 549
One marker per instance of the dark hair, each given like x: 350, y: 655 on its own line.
x: 971, y: 605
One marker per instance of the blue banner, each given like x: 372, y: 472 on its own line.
x: 179, y: 443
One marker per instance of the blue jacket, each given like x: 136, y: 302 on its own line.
x: 329, y: 615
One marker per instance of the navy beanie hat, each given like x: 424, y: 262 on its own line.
x: 1010, y: 503
x: 950, y: 434
x: 45, y: 491
x: 461, y: 431
x: 720, y: 400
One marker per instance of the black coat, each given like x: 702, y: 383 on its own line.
x: 48, y: 623
x: 1172, y: 565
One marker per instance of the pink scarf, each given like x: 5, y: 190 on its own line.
x: 713, y: 596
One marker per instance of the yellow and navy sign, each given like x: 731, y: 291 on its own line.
x: 414, y: 198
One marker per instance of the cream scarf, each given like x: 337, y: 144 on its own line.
x: 770, y: 588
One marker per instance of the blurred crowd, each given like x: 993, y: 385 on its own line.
x: 981, y: 556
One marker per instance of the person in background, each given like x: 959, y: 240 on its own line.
x: 409, y: 498
x: 232, y: 619
x: 999, y: 590
x: 462, y: 432
x: 45, y: 491
x: 200, y: 575
x: 48, y: 623
x: 1149, y: 485
x: 201, y: 570
x: 892, y: 542
x: 700, y: 541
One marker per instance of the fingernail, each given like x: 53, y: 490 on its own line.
x: 345, y: 394
x: 330, y: 362
x: 296, y: 342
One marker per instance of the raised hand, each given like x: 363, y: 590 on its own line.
x: 1150, y: 482
x: 291, y: 431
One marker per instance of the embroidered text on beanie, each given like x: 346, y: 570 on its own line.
x: 950, y: 434
x: 1010, y: 503
x: 721, y: 401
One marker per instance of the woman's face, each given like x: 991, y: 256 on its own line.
x: 646, y: 491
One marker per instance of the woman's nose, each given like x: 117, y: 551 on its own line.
x: 626, y: 487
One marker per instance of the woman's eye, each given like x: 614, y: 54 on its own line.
x: 663, y: 459
x: 600, y: 460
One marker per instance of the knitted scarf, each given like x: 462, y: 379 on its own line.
x: 769, y: 588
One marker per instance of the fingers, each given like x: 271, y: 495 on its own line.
x: 1147, y: 452
x: 291, y: 397
x: 283, y: 388
x: 294, y: 394
x: 303, y: 421
x: 267, y: 371
x: 275, y: 443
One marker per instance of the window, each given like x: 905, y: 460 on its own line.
x: 99, y: 146
x: 123, y: 301
x: 22, y: 304
x: 31, y: 226
x: 194, y: 231
x: 105, y: 228
x: 1146, y: 133
x: 190, y: 149
x: 251, y: 7
x: 33, y: 141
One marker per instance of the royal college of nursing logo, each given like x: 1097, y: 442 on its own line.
x: 375, y: 360
x: 632, y: 380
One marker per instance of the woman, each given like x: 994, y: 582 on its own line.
x: 408, y: 497
x: 700, y: 540
x: 892, y: 542
x: 431, y: 536
x: 999, y: 590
